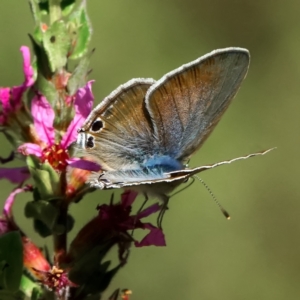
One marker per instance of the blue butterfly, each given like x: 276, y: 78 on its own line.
x: 145, y: 131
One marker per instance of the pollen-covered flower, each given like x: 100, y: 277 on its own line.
x: 55, y: 279
x: 11, y: 98
x: 50, y: 147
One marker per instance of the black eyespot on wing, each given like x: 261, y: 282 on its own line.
x: 90, y: 142
x: 97, y: 125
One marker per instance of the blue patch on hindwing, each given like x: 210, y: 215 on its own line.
x: 164, y: 163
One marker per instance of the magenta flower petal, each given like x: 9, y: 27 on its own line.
x: 15, y: 175
x: 71, y: 133
x: 11, y: 98
x: 16, y: 97
x: 154, y: 238
x: 83, y: 164
x: 4, y: 226
x: 83, y: 104
x: 128, y: 197
x: 84, y: 100
x: 27, y: 68
x: 30, y: 149
x: 43, y: 117
x: 4, y: 98
x: 7, y: 210
x: 149, y: 210
x: 18, y: 91
x: 7, y: 222
x: 5, y: 103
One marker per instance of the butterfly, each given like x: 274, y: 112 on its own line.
x: 145, y: 131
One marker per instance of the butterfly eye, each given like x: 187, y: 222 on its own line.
x: 90, y: 142
x: 97, y: 125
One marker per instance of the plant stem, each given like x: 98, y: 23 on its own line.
x: 60, y: 240
x: 54, y: 10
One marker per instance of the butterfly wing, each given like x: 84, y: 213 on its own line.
x: 187, y: 103
x: 118, y: 131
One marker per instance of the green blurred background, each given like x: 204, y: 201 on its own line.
x: 255, y: 255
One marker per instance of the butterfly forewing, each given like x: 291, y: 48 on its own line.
x: 119, y: 141
x: 187, y: 103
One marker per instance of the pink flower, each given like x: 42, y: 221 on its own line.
x: 11, y: 98
x: 49, y: 149
x: 117, y: 218
x: 111, y: 227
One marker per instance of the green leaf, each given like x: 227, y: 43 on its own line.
x: 53, y: 175
x: 43, y: 211
x: 108, y: 278
x: 78, y: 77
x: 93, y: 297
x: 36, y: 294
x: 42, y: 181
x: 87, y: 266
x: 38, y: 33
x: 115, y: 295
x: 47, y: 88
x: 8, y: 295
x: 30, y: 288
x: 43, y: 6
x: 70, y: 223
x: 35, y: 11
x: 98, y: 280
x: 80, y: 28
x: 63, y: 118
x: 41, y: 228
x: 11, y: 251
x: 45, y: 177
x: 43, y: 64
x: 67, y: 6
x: 57, y: 44
x: 3, y: 266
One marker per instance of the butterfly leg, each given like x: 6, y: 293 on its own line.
x: 140, y: 209
x: 164, y: 207
x: 144, y: 203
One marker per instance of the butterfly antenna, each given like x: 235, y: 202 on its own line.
x: 223, y: 210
